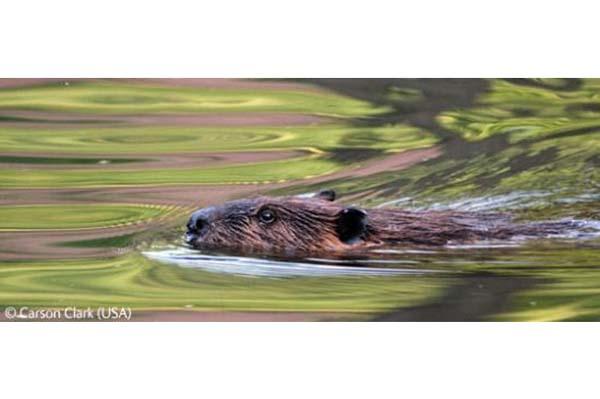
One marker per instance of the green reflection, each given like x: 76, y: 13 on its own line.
x: 497, y: 151
x: 75, y: 216
x: 65, y: 161
x: 134, y: 140
x: 120, y: 98
x: 135, y: 281
x: 116, y: 241
x: 265, y: 172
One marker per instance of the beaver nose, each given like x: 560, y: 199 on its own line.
x: 198, y: 224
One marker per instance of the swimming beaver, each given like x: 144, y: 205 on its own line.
x: 304, y: 225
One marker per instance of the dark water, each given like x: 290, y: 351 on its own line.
x: 98, y: 178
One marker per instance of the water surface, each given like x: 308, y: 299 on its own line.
x: 98, y: 177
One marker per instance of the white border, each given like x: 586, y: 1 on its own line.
x: 274, y: 39
x: 305, y: 360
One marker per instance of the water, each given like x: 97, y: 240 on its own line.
x: 246, y: 266
x: 97, y: 179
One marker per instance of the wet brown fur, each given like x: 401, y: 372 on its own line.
x: 314, y: 225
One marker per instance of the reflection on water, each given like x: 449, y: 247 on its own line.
x: 96, y: 173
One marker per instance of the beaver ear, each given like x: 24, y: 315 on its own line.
x: 351, y: 225
x: 326, y: 195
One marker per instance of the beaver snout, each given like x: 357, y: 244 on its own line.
x: 198, y: 224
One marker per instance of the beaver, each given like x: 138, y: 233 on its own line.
x: 315, y: 225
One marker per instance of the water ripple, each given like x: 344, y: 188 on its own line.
x: 275, y: 268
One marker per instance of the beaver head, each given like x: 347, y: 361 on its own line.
x: 286, y: 225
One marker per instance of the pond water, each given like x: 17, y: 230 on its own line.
x: 98, y: 177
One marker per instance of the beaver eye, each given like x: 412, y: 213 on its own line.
x: 266, y: 215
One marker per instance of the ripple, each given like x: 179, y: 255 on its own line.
x: 515, y: 200
x: 276, y: 268
x: 512, y: 200
x: 77, y: 216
